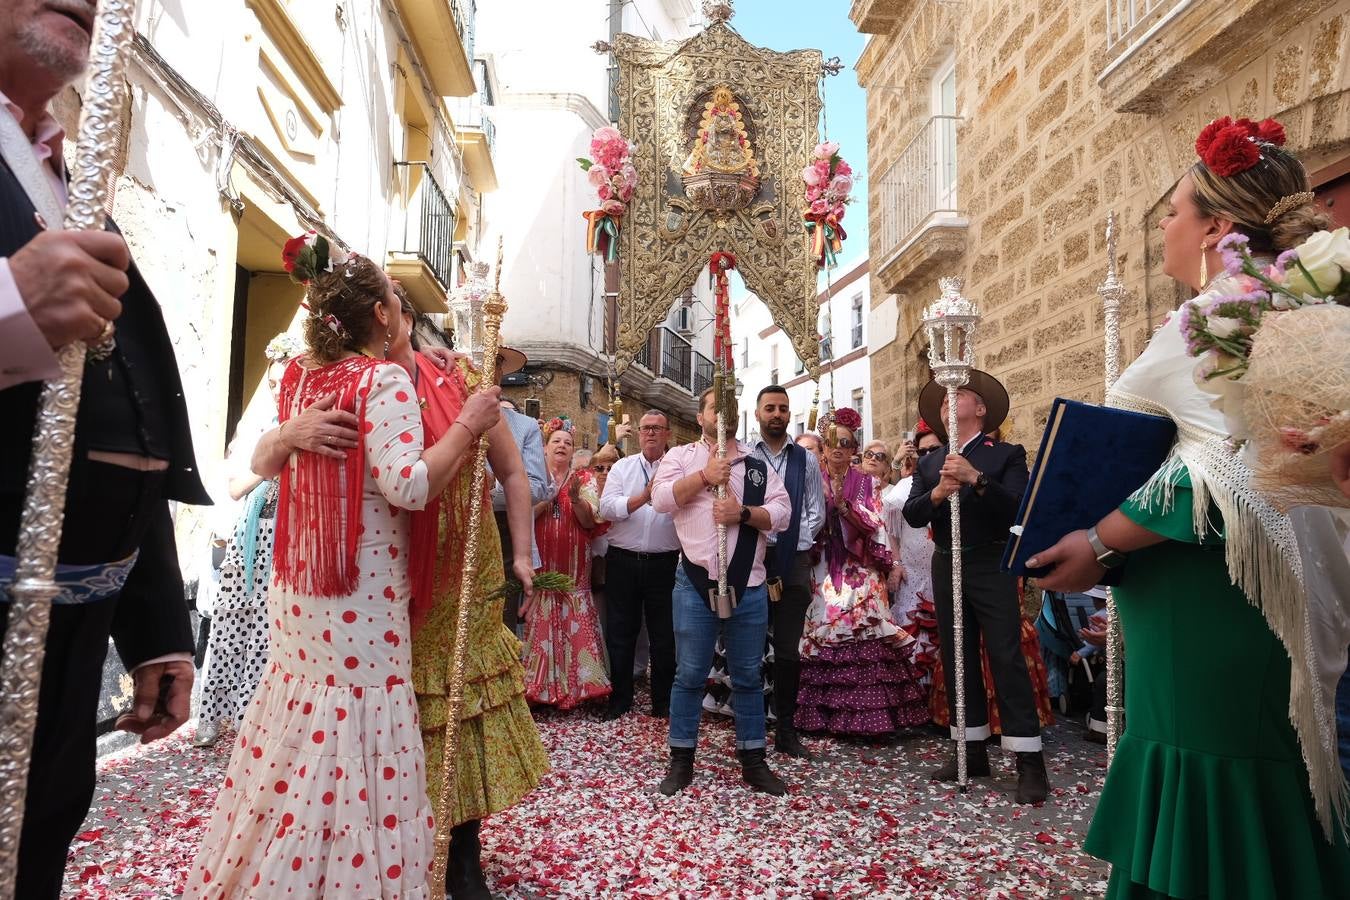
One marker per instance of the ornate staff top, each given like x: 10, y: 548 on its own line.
x: 950, y: 324
x: 1112, y: 292
x: 718, y: 10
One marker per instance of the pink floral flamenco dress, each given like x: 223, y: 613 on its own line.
x: 857, y: 675
x: 325, y: 795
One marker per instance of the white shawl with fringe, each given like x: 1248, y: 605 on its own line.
x: 1308, y: 609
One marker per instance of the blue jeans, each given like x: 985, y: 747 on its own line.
x: 696, y: 628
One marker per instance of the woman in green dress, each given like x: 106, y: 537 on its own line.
x: 501, y: 758
x: 1225, y: 782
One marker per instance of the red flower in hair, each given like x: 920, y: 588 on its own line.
x: 1271, y: 132
x: 921, y: 429
x: 1209, y: 133
x: 291, y: 251
x: 1233, y: 150
x: 848, y: 417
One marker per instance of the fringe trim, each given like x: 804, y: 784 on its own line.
x: 1263, y: 560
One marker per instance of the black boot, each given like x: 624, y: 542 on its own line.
x: 464, y: 872
x: 787, y: 742
x: 1033, y: 785
x: 757, y: 773
x: 977, y: 762
x: 681, y: 772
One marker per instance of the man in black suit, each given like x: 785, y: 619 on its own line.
x: 132, y: 450
x: 991, y: 476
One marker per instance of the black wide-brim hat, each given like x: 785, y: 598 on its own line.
x: 509, y: 360
x: 990, y: 389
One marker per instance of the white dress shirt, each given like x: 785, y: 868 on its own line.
x: 644, y: 530
x: 813, y: 492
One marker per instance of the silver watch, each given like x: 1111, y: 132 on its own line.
x: 1106, y: 557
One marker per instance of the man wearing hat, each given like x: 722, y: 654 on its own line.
x: 991, y: 476
x: 526, y: 433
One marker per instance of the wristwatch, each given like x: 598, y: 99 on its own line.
x: 1106, y: 557
x: 745, y: 514
x: 981, y: 482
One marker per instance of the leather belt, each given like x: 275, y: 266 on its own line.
x: 635, y: 554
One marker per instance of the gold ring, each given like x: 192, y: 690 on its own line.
x: 105, y: 335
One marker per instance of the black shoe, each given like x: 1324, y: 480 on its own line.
x: 787, y: 742
x: 977, y: 763
x: 680, y: 774
x: 661, y: 712
x: 1033, y: 785
x: 1096, y: 737
x: 757, y: 773
x: 464, y: 873
x: 613, y: 712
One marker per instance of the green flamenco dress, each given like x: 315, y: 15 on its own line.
x: 1207, y: 795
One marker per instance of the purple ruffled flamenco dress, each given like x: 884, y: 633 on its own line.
x: 857, y: 674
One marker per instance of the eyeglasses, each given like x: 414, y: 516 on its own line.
x: 846, y: 443
x: 924, y: 451
x: 652, y: 429
x: 877, y: 455
x: 599, y: 468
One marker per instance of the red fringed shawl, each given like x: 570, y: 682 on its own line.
x: 430, y: 560
x: 319, y: 510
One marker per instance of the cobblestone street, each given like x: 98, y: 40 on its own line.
x: 861, y: 821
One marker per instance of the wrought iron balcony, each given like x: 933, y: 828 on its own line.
x: 919, y: 203
x: 670, y: 356
x: 423, y: 260
x: 465, y: 13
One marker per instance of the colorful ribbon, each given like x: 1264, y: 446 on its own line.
x: 718, y: 266
x: 826, y: 237
x: 602, y: 234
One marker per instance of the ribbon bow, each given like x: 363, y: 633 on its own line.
x: 602, y: 233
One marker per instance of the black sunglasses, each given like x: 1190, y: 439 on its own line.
x: 601, y: 468
x: 924, y: 451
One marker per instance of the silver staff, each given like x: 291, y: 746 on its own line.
x: 34, y: 586
x: 950, y: 326
x: 1112, y: 291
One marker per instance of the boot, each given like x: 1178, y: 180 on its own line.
x: 1033, y: 785
x: 681, y: 772
x: 757, y: 773
x: 464, y: 872
x: 977, y: 763
x: 787, y: 742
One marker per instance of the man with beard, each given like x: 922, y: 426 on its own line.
x: 118, y: 569
x: 639, y: 570
x: 788, y: 557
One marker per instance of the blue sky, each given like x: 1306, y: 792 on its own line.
x: 825, y: 26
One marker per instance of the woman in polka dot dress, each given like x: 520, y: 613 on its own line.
x: 325, y: 795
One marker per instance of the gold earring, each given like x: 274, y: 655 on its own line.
x: 1204, y: 266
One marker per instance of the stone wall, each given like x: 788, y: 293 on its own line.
x: 1044, y: 152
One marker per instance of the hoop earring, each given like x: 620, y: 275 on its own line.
x: 1204, y: 266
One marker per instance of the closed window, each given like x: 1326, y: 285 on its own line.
x: 856, y: 321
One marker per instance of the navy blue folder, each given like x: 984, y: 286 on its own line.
x: 1092, y: 458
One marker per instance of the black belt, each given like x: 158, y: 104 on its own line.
x: 664, y: 554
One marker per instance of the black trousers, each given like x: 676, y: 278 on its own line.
x: 787, y: 618
x: 511, y: 610
x: 638, y: 589
x: 991, y: 609
x: 106, y: 520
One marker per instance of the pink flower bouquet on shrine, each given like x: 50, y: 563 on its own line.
x: 829, y: 182
x: 610, y: 171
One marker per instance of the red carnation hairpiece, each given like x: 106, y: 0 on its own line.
x: 921, y: 429
x: 1228, y: 147
x: 849, y: 418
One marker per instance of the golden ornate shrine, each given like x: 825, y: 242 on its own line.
x: 723, y: 130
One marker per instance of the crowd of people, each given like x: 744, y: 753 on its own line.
x: 336, y: 588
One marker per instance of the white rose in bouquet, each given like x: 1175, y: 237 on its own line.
x: 1325, y: 257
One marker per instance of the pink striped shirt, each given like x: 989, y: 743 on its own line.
x: 694, y: 521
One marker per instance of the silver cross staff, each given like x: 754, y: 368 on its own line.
x: 950, y: 326
x: 1112, y: 292
x: 96, y: 152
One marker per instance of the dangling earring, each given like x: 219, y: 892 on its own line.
x: 387, y: 337
x: 1204, y: 266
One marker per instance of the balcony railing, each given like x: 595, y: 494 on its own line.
x: 429, y: 224
x: 671, y: 356
x: 465, y: 12
x: 1127, y: 20
x: 921, y: 184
